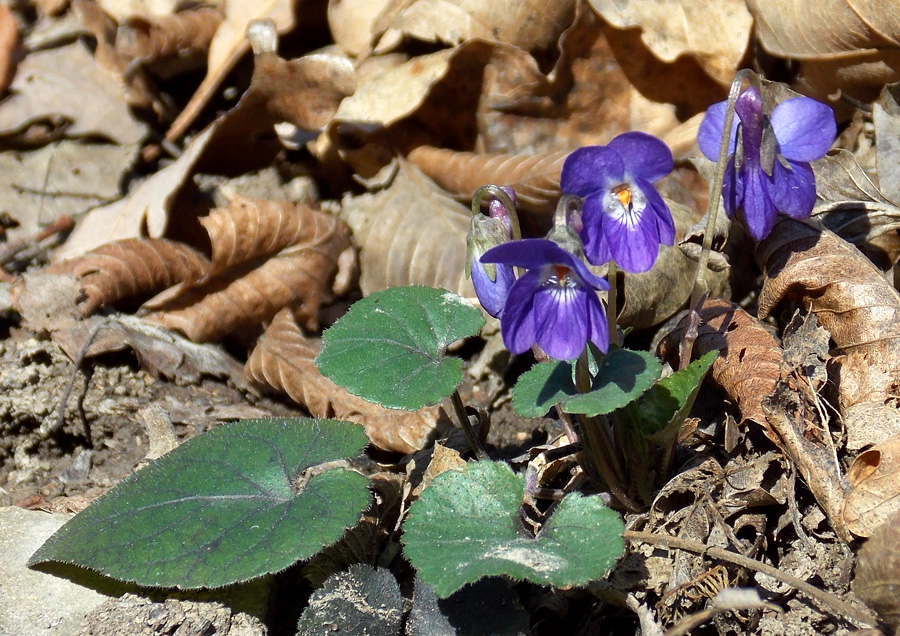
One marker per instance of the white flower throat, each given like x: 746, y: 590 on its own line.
x: 624, y: 204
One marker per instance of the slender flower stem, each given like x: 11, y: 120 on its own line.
x: 462, y: 420
x: 611, y: 300
x: 716, y: 193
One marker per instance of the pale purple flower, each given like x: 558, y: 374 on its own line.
x: 491, y: 282
x: 553, y: 304
x: 624, y: 218
x: 769, y: 172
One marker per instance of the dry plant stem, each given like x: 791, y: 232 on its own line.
x: 700, y: 287
x: 79, y: 360
x: 462, y: 420
x: 821, y: 596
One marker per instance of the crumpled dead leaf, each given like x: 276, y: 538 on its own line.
x: 716, y: 34
x: 284, y: 359
x: 818, y: 270
x: 410, y: 233
x: 844, y: 45
x: 876, y: 580
x: 266, y: 255
x: 9, y: 43
x: 351, y: 23
x: 535, y: 178
x: 43, y: 88
x: 227, y: 47
x: 184, y: 33
x: 529, y: 24
x: 875, y: 487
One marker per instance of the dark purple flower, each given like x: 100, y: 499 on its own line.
x: 625, y: 219
x: 763, y: 180
x: 554, y: 303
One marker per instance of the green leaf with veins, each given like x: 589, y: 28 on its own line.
x: 243, y: 500
x: 466, y: 526
x: 389, y: 347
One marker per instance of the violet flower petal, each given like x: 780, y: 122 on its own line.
x: 492, y: 294
x: 643, y: 155
x: 793, y: 192
x: 598, y: 331
x: 589, y: 169
x: 634, y: 248
x: 709, y: 136
x: 560, y: 317
x: 804, y: 128
x: 664, y: 222
x: 517, y: 326
x: 596, y: 249
x: 759, y: 211
x: 732, y: 188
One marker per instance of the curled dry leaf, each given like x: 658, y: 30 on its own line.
x: 875, y: 487
x: 305, y: 92
x: 130, y: 268
x: 535, y: 178
x: 227, y: 47
x: 528, y: 24
x: 824, y: 274
x: 285, y: 359
x: 749, y: 362
x: 410, y: 233
x: 259, y: 283
x: 184, y: 33
x: 716, y: 34
x: 853, y: 207
x: 876, y: 579
x: 849, y: 45
x: 351, y: 23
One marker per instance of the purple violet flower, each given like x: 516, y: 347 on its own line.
x: 491, y: 282
x: 625, y: 219
x: 554, y: 303
x: 761, y: 183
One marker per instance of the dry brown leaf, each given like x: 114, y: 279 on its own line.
x: 130, y: 268
x: 716, y: 34
x: 305, y: 92
x: 43, y: 89
x: 829, y: 277
x: 121, y: 10
x: 749, y: 362
x: 232, y: 142
x: 876, y: 580
x: 535, y: 178
x: 227, y: 47
x: 351, y: 22
x: 252, y: 291
x: 529, y: 24
x: 9, y: 44
x: 410, y: 233
x: 284, y: 359
x: 875, y: 487
x: 184, y: 33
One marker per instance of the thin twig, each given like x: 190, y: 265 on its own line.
x: 79, y: 360
x: 462, y: 419
x: 827, y: 599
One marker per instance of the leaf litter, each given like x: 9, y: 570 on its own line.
x: 395, y: 112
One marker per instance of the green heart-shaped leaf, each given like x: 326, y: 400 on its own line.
x: 466, y: 526
x: 624, y: 375
x: 224, y: 507
x: 389, y: 348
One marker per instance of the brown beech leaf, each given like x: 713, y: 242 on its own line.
x: 284, y: 359
x: 875, y: 487
x: 227, y: 47
x: 351, y: 23
x: 129, y: 268
x: 9, y: 43
x: 260, y: 282
x: 886, y: 117
x: 183, y: 33
x: 528, y: 24
x: 410, y: 233
x: 305, y: 92
x: 829, y: 277
x: 535, y: 178
x: 716, y: 33
x: 121, y: 10
x: 749, y: 362
x: 853, y: 207
x: 876, y: 580
x: 43, y: 89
